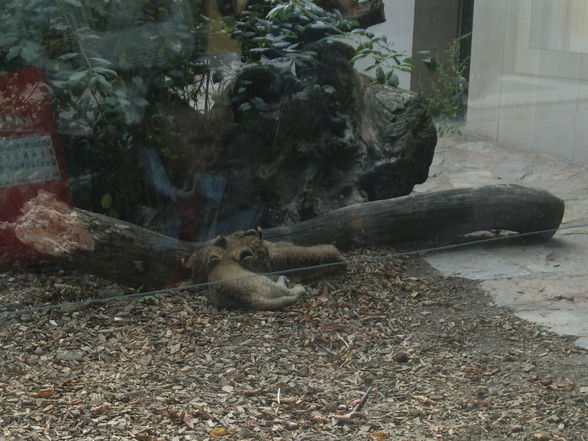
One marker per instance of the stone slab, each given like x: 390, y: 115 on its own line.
x: 544, y: 283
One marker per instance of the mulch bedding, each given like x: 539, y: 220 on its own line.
x: 390, y: 350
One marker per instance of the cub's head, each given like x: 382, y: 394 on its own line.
x: 244, y: 246
x: 202, y: 262
x: 251, y: 252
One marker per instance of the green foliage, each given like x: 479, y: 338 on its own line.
x: 444, y: 93
x: 384, y: 59
x: 283, y: 34
x: 278, y: 30
x: 278, y: 33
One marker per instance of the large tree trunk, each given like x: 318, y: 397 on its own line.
x: 442, y: 214
x: 134, y: 256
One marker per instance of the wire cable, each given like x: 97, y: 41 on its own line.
x: 470, y: 243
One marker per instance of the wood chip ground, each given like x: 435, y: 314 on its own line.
x: 389, y: 351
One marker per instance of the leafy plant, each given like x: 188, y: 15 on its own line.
x: 384, y: 59
x: 278, y: 30
x: 444, y: 94
x: 284, y: 35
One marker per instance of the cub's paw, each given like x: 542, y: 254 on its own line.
x: 298, y: 290
x: 282, y: 281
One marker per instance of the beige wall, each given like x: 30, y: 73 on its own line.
x: 529, y: 75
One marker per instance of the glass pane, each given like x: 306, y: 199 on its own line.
x: 293, y: 219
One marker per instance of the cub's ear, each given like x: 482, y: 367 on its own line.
x: 245, y: 255
x: 251, y: 232
x: 220, y: 241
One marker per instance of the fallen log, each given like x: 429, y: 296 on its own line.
x: 441, y: 214
x: 110, y: 248
x: 131, y: 255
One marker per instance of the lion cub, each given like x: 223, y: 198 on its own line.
x: 202, y: 261
x: 240, y: 284
x: 318, y: 260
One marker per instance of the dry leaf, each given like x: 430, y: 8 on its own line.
x: 202, y: 413
x: 146, y: 438
x: 186, y: 417
x: 372, y: 317
x: 348, y: 416
x: 45, y: 393
x: 544, y: 436
x: 317, y: 419
x: 218, y: 431
x: 424, y: 400
x: 334, y: 326
x: 172, y: 414
x: 252, y: 392
x: 377, y: 436
x: 353, y: 402
x: 97, y: 411
x: 478, y: 403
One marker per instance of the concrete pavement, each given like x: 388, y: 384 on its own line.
x: 544, y: 283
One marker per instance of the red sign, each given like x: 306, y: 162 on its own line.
x: 30, y: 156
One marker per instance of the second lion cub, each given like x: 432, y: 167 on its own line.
x: 240, y: 284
